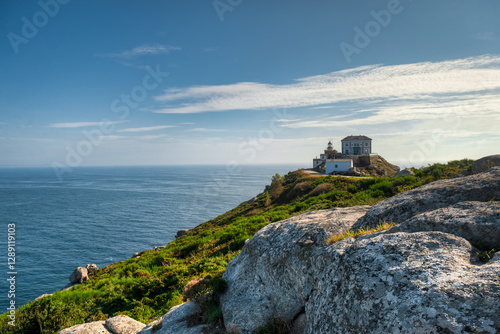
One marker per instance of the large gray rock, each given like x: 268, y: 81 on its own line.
x: 481, y: 187
x: 478, y: 222
x: 175, y: 321
x: 79, y: 275
x: 96, y: 327
x: 276, y: 272
x: 483, y: 164
x: 419, y: 282
x: 122, y: 324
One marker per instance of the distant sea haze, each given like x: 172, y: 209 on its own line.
x: 104, y: 214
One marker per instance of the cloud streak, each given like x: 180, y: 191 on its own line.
x: 149, y: 128
x: 207, y: 130
x: 143, y: 50
x: 383, y: 93
x: 82, y: 124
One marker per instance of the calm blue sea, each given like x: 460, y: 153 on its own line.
x: 104, y: 214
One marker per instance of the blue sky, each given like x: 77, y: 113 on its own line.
x: 236, y: 81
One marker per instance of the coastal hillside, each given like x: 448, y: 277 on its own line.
x: 146, y: 286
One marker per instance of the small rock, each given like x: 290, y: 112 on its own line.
x: 44, y: 295
x: 122, y: 324
x: 96, y: 327
x: 175, y: 321
x: 91, y: 268
x: 157, y: 248
x: 405, y: 172
x: 251, y: 200
x: 79, y: 275
x: 180, y: 233
x: 465, y: 172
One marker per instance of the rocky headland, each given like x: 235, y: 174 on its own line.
x: 433, y: 271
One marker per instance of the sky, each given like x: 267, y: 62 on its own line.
x: 121, y: 82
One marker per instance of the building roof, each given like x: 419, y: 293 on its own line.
x: 360, y: 137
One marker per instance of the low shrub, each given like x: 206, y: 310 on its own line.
x: 356, y: 234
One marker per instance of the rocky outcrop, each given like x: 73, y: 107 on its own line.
x: 123, y: 325
x: 96, y: 327
x: 421, y: 282
x: 404, y: 172
x: 481, y: 187
x: 478, y: 222
x: 180, y: 233
x: 176, y: 321
x: 420, y: 276
x: 120, y: 324
x: 277, y: 269
x: 79, y: 275
x: 483, y: 164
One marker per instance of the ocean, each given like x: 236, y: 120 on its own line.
x: 103, y: 215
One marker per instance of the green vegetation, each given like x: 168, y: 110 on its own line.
x: 147, y: 287
x: 351, y: 234
x: 485, y: 256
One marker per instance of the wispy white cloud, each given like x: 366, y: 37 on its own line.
x: 207, y: 130
x: 143, y: 50
x: 408, y: 84
x: 149, y: 128
x: 135, y: 138
x: 186, y: 123
x: 82, y: 124
x: 484, y: 36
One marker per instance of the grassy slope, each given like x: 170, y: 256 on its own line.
x: 146, y: 288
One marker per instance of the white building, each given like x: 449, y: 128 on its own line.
x: 356, y: 145
x: 337, y: 165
